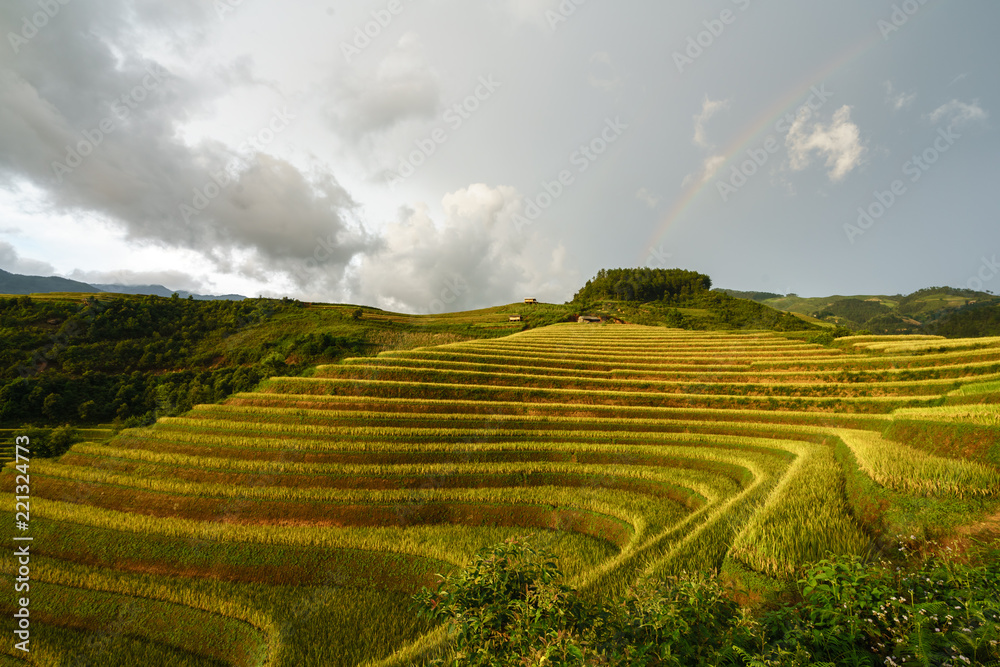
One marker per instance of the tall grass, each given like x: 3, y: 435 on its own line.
x: 913, y: 471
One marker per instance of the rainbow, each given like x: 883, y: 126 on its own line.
x: 753, y: 134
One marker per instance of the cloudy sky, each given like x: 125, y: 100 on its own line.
x: 427, y: 155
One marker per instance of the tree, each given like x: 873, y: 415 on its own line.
x: 87, y: 410
x: 61, y: 439
x: 52, y: 406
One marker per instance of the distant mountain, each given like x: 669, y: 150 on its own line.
x: 925, y: 311
x: 13, y: 283
x: 160, y: 290
x: 753, y: 296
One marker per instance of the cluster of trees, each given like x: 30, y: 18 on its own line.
x: 972, y: 321
x: 912, y: 305
x: 753, y: 296
x: 855, y: 310
x: 130, y: 359
x: 643, y: 284
x: 679, y: 298
x: 119, y: 334
x: 58, y: 398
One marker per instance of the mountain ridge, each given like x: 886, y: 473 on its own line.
x: 16, y: 284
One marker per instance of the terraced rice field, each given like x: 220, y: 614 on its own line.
x: 290, y: 525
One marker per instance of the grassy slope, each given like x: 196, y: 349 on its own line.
x: 932, y: 514
x: 50, y: 349
x: 927, y: 307
x: 202, y: 482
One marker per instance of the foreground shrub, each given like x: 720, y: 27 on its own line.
x: 509, y: 607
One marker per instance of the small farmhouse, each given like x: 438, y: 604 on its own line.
x: 514, y: 318
x: 588, y: 319
x: 530, y: 301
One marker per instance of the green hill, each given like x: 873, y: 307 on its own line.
x: 935, y: 310
x: 86, y: 359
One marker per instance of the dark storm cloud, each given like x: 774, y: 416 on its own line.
x: 400, y: 87
x: 91, y: 120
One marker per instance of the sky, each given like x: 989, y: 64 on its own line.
x: 439, y: 155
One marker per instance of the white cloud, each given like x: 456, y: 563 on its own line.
x: 530, y: 11
x: 648, y: 198
x: 708, y: 168
x: 606, y: 79
x: 840, y: 142
x: 711, y: 163
x: 11, y: 260
x: 265, y: 218
x: 708, y: 109
x: 898, y: 100
x: 402, y: 87
x: 959, y: 113
x: 601, y: 57
x: 474, y: 255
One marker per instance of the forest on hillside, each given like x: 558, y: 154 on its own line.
x: 678, y: 298
x: 643, y: 284
x: 127, y: 359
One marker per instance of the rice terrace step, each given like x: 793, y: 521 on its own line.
x: 290, y: 525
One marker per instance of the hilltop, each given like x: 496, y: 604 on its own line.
x: 943, y: 311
